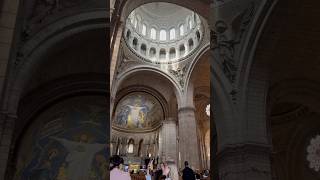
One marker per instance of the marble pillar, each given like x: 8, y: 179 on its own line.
x: 169, y: 140
x: 188, y: 141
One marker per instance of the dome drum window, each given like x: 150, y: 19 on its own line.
x: 190, y: 43
x: 135, y: 43
x: 144, y: 30
x: 153, y: 33
x: 172, y: 34
x: 172, y: 53
x: 152, y: 53
x: 163, y: 35
x: 163, y: 54
x: 143, y: 49
x: 182, y: 50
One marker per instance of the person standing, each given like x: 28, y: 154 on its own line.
x: 158, y: 173
x: 187, y: 173
x: 116, y: 173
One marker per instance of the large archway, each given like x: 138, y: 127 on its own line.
x: 46, y: 74
x: 291, y: 78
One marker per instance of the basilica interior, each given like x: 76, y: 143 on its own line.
x: 160, y: 90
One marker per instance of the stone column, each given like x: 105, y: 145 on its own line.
x: 243, y: 147
x: 6, y: 135
x: 188, y: 141
x: 169, y: 140
x: 243, y: 162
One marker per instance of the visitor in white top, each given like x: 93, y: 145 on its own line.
x: 116, y: 173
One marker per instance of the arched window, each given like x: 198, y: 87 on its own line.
x: 135, y: 43
x: 163, y: 35
x: 152, y: 52
x: 190, y: 42
x: 130, y: 146
x: 190, y: 23
x: 140, y: 147
x: 132, y: 19
x: 198, y: 35
x: 128, y: 34
x: 172, y: 34
x: 163, y: 54
x: 144, y: 30
x: 181, y: 30
x: 135, y: 23
x: 143, y: 49
x: 182, y: 50
x: 172, y: 53
x: 153, y: 33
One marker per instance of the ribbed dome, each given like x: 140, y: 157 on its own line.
x: 163, y: 32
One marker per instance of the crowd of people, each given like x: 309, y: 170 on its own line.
x: 164, y: 171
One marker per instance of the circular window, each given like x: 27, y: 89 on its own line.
x: 313, y: 153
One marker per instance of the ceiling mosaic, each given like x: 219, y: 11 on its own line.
x: 138, y: 111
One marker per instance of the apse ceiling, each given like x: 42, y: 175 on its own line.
x: 138, y: 111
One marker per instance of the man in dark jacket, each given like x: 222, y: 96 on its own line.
x: 187, y: 173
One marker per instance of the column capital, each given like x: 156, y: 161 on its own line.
x: 169, y: 120
x: 186, y: 109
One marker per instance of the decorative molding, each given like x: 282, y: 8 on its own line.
x: 180, y: 73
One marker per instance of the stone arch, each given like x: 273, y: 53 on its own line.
x: 126, y: 7
x: 37, y: 46
x: 172, y: 85
x: 45, y: 97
